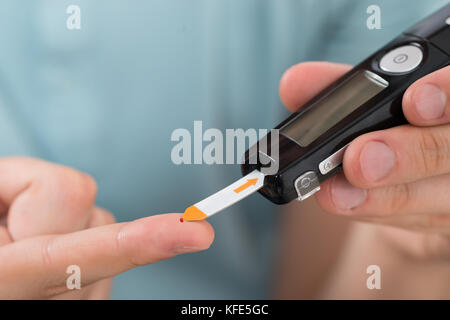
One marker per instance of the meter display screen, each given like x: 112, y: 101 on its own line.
x: 327, y: 112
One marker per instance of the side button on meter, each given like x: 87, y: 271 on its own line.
x: 332, y: 161
x: 306, y: 185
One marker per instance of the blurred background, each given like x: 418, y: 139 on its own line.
x: 105, y: 99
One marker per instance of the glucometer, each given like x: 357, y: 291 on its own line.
x: 312, y: 141
x: 308, y: 147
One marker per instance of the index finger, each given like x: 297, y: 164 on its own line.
x: 36, y: 267
x: 304, y: 80
x: 426, y: 102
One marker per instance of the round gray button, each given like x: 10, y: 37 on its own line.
x: 401, y: 59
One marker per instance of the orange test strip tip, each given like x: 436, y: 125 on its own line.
x: 193, y: 213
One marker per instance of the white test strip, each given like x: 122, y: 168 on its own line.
x: 226, y: 197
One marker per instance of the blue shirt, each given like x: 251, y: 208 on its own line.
x: 105, y: 99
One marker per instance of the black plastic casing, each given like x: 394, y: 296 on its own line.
x: 382, y: 111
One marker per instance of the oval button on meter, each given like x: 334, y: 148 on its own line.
x: 401, y: 59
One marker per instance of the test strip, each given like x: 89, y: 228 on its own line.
x: 226, y: 197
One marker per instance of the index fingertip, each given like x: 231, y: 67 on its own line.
x: 302, y: 81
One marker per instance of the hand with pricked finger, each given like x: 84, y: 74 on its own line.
x: 398, y: 177
x: 48, y: 221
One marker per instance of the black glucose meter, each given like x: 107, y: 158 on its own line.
x: 312, y: 141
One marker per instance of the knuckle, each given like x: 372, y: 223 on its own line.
x: 399, y: 198
x: 122, y: 248
x: 75, y: 187
x: 109, y: 217
x: 46, y: 252
x: 104, y: 217
x: 435, y: 246
x: 434, y: 150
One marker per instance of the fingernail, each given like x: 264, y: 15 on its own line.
x: 377, y: 161
x: 344, y: 195
x: 187, y: 249
x: 430, y: 101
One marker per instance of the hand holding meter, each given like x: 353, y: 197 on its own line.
x: 310, y: 144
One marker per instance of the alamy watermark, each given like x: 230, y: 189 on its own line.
x: 374, y: 20
x: 212, y: 146
x: 374, y: 280
x: 73, y: 21
x: 74, y: 280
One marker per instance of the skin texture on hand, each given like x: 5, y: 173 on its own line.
x: 49, y: 222
x: 398, y: 177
